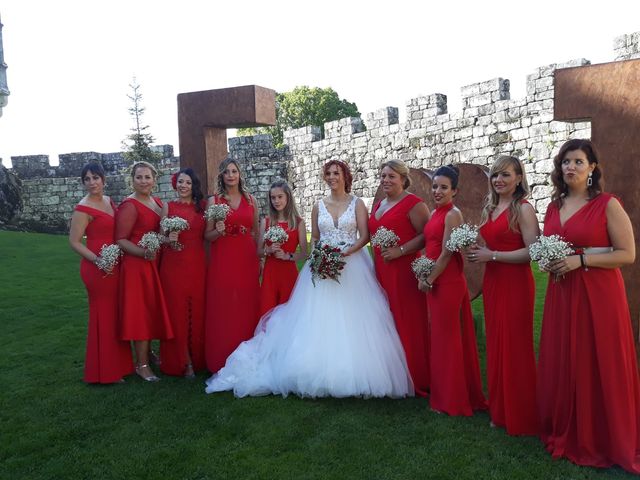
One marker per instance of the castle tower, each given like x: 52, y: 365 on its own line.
x: 4, y: 89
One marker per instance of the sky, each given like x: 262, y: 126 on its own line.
x: 70, y: 63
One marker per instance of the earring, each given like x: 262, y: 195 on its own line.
x: 590, y: 180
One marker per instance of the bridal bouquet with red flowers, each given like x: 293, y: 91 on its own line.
x: 326, y: 261
x: 174, y: 224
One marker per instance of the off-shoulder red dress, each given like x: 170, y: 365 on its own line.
x: 588, y: 387
x: 108, y: 358
x: 143, y: 310
x: 508, y: 295
x: 233, y: 288
x: 279, y: 276
x: 456, y: 388
x: 182, y: 273
x: 405, y: 300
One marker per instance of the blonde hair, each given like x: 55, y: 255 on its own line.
x: 401, y: 169
x: 222, y: 189
x: 290, y: 211
x: 521, y: 193
x: 143, y: 164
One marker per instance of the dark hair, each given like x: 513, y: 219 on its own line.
x: 346, y: 172
x: 196, y: 189
x: 560, y: 188
x: 451, y: 172
x: 93, y: 167
x: 222, y: 189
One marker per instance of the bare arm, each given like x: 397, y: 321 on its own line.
x: 315, y: 230
x: 213, y: 231
x: 418, y: 216
x: 528, y: 227
x: 262, y: 249
x: 363, y: 228
x: 255, y: 231
x: 451, y: 221
x: 79, y: 223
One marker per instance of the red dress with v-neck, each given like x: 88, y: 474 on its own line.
x: 107, y: 358
x: 456, y: 388
x: 143, y: 310
x: 183, y: 273
x: 233, y: 288
x: 508, y: 294
x: 405, y: 300
x: 588, y: 387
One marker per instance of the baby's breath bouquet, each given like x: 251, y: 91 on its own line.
x: 217, y: 212
x: 384, y: 238
x: 174, y: 224
x: 422, y: 267
x: 151, y: 241
x: 326, y: 261
x: 276, y: 234
x: 109, y: 257
x: 462, y: 237
x: 547, y: 249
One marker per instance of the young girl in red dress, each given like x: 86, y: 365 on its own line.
x: 108, y: 358
x: 406, y: 215
x: 509, y: 225
x: 588, y: 386
x: 143, y: 310
x: 280, y: 271
x: 182, y: 273
x: 232, y: 287
x: 456, y: 388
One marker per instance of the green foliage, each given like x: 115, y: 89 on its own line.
x: 137, y: 145
x: 55, y: 427
x: 305, y: 106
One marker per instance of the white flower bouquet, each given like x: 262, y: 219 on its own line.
x: 547, y: 249
x: 384, y: 238
x: 217, y: 212
x: 151, y: 241
x: 422, y: 267
x: 462, y: 237
x: 174, y: 224
x: 276, y: 234
x: 109, y: 257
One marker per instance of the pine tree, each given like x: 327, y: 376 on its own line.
x: 137, y: 145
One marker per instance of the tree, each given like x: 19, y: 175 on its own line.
x: 305, y: 106
x: 137, y: 145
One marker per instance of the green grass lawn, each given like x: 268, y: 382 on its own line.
x: 53, y: 426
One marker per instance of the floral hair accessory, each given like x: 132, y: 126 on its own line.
x: 174, y: 181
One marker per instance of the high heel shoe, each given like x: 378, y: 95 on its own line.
x: 150, y: 378
x: 188, y: 372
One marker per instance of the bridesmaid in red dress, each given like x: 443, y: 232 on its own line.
x: 108, y: 358
x: 182, y: 273
x: 509, y: 225
x: 406, y: 215
x: 143, y: 311
x: 456, y: 388
x: 280, y: 270
x: 233, y: 289
x: 588, y: 388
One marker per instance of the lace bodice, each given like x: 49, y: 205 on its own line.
x: 347, y: 230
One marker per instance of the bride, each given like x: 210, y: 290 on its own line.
x: 332, y: 339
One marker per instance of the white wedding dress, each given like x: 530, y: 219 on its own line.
x: 331, y: 340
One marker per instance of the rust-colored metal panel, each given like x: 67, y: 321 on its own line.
x: 472, y: 191
x: 203, y: 118
x: 608, y: 94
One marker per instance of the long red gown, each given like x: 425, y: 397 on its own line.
x: 588, y: 387
x: 108, y: 358
x: 143, y: 311
x: 456, y: 388
x: 405, y: 300
x: 233, y: 289
x: 508, y: 293
x: 279, y: 276
x: 182, y: 273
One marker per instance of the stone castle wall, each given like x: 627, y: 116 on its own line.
x: 490, y: 124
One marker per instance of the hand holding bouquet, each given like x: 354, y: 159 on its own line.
x: 462, y: 237
x: 547, y: 249
x: 422, y: 267
x: 108, y: 258
x: 326, y: 261
x: 151, y: 242
x: 174, y: 224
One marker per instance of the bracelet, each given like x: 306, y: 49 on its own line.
x: 583, y: 262
x: 401, y: 250
x: 429, y: 285
x: 494, y: 256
